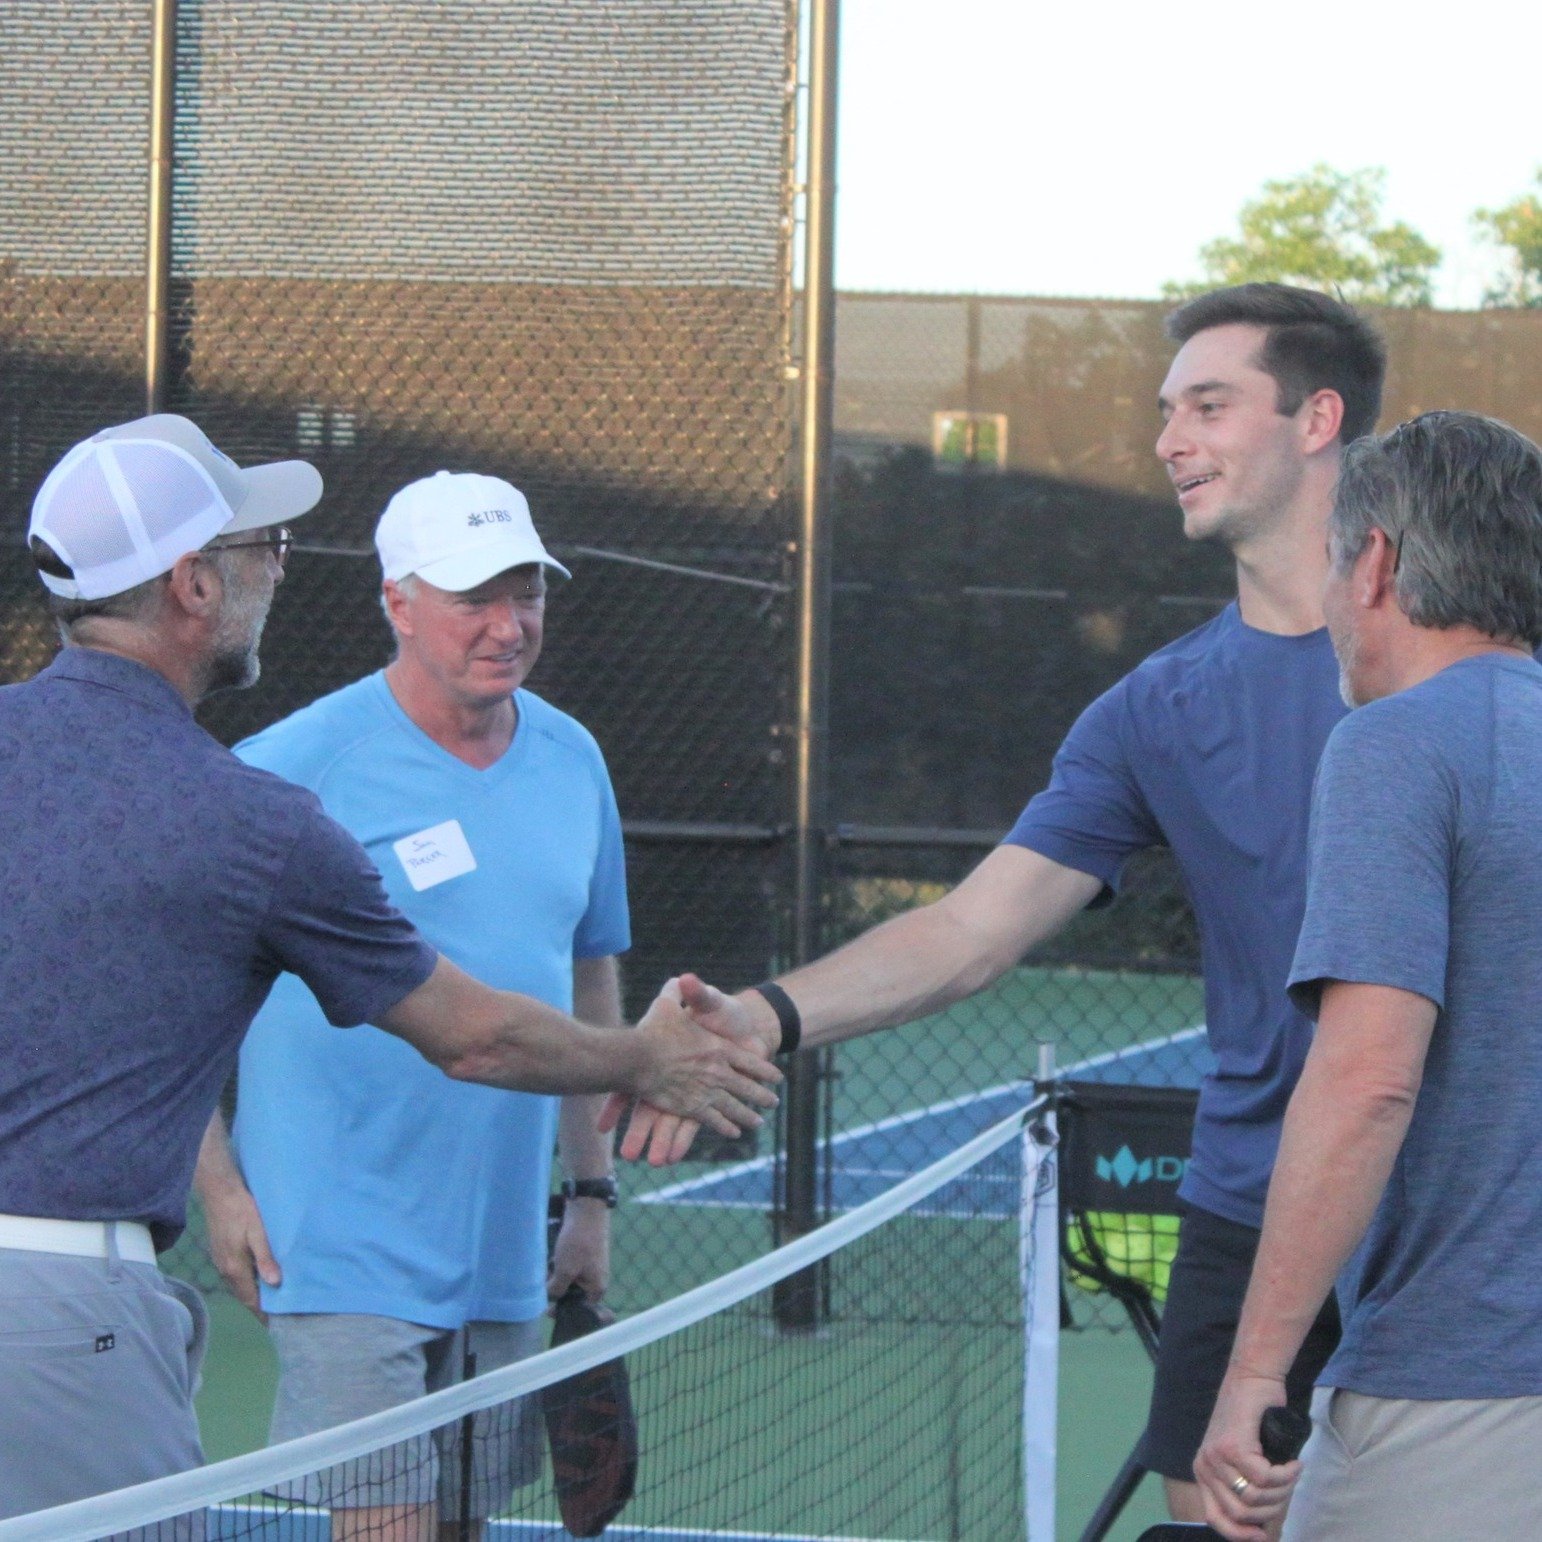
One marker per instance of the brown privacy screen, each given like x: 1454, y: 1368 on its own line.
x: 550, y: 243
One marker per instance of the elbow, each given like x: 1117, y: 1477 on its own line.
x: 1385, y: 1102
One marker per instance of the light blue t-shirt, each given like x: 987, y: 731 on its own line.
x: 387, y: 1187
x: 1426, y: 874
x: 1209, y: 747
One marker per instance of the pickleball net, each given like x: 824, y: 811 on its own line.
x: 900, y: 1417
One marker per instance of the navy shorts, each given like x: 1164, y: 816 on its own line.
x: 1204, y: 1302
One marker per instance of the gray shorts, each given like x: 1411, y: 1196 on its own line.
x: 99, y: 1361
x: 336, y: 1367
x: 1393, y: 1470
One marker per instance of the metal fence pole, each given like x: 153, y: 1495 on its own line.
x: 163, y: 90
x: 798, y: 1300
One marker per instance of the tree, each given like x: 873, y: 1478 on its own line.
x: 1322, y: 230
x: 1518, y: 226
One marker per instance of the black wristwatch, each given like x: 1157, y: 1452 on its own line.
x: 591, y: 1188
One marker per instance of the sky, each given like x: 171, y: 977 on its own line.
x: 1007, y: 147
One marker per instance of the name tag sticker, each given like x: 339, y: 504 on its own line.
x: 434, y: 855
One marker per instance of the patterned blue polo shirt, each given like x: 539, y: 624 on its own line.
x: 153, y: 888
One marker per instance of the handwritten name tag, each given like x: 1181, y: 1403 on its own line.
x: 434, y: 855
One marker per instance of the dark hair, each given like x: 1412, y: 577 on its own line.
x: 1461, y: 497
x: 1312, y: 342
x: 127, y: 605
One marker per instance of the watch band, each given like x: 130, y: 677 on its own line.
x: 591, y: 1188
x: 786, y: 1014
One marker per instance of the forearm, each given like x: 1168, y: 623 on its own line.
x: 927, y: 959
x: 474, y: 1033
x: 585, y: 1152
x: 505, y: 1039
x: 1343, y: 1130
x: 216, y: 1173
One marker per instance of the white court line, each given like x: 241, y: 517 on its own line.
x: 675, y: 1192
x: 258, y: 1515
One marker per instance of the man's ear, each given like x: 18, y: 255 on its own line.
x: 195, y: 585
x: 1376, y: 570
x: 1321, y: 416
x: 396, y: 606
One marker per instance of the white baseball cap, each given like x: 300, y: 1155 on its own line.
x: 457, y: 529
x: 125, y: 504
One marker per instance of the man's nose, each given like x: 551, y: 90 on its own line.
x: 1171, y: 441
x: 503, y: 618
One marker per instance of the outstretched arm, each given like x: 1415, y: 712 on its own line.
x: 913, y: 965
x: 505, y: 1039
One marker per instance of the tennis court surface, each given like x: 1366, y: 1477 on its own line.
x: 899, y: 1422
x: 865, y: 1161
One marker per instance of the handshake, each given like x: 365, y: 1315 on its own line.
x: 706, y: 1060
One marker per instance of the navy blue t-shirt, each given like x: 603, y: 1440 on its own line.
x: 1426, y: 875
x: 1209, y: 747
x: 154, y: 887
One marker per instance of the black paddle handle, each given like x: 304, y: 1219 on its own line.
x: 1282, y: 1432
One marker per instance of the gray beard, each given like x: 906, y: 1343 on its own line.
x: 233, y: 670
x: 234, y: 663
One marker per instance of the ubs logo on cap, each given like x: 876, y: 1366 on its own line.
x: 490, y: 517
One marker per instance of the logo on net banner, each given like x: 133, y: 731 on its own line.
x: 1126, y: 1168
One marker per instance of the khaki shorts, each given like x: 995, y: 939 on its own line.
x: 1395, y: 1470
x: 337, y: 1367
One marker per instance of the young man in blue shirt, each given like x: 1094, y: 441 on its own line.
x: 1410, y: 1168
x: 1208, y: 747
x: 398, y: 1219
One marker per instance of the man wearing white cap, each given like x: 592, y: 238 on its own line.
x: 155, y: 887
x: 396, y: 1220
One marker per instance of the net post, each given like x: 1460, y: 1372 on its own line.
x: 1039, y: 1264
x: 1044, y: 1068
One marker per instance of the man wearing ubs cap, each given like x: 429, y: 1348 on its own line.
x: 397, y: 1220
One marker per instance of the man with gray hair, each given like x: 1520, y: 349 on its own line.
x: 155, y: 888
x: 1410, y: 1168
x: 391, y: 1224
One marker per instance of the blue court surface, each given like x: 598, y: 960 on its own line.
x: 253, y: 1523
x: 867, y: 1161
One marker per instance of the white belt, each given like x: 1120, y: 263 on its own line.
x: 83, y: 1239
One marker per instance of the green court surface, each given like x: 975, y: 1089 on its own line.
x: 1105, y: 1381
x: 924, y: 1408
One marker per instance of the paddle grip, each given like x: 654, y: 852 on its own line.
x: 1282, y: 1432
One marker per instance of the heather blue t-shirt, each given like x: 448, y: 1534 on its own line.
x: 386, y: 1187
x: 1426, y: 874
x: 1209, y: 747
x: 154, y: 887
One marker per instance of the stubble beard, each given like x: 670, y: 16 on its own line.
x: 234, y: 662
x: 1348, y: 660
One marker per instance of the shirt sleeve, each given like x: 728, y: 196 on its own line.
x: 1093, y: 816
x: 606, y: 927
x: 332, y: 925
x: 1380, y: 853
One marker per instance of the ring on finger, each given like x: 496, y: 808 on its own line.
x: 1240, y: 1485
